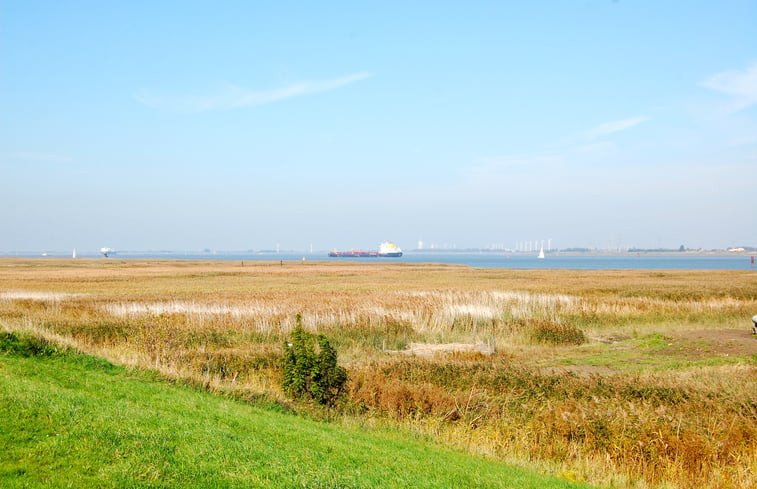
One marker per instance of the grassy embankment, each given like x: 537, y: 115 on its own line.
x: 619, y: 377
x: 71, y: 420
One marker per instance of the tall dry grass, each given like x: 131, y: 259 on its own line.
x: 642, y: 418
x: 656, y: 428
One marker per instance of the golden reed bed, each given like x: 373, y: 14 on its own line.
x: 632, y: 378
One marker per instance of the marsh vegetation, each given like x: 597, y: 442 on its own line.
x: 616, y: 377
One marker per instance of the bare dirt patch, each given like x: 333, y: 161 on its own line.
x: 716, y: 341
x: 610, y: 339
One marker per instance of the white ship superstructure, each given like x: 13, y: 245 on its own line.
x: 390, y: 249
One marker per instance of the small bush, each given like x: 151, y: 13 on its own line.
x: 311, y: 373
x: 557, y: 334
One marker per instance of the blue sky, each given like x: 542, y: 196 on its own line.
x: 240, y: 125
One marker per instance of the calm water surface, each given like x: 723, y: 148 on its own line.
x: 492, y: 260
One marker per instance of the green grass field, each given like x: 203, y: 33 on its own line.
x: 71, y: 420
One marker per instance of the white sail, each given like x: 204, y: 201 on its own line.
x: 541, y: 252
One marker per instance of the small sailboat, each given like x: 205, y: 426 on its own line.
x: 73, y: 255
x: 541, y: 251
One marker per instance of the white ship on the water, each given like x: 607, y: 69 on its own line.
x: 389, y: 249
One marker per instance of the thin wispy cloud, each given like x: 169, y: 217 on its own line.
x: 741, y: 85
x: 615, y: 126
x: 233, y: 97
x: 577, y: 151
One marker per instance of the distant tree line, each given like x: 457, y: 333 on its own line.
x: 657, y: 250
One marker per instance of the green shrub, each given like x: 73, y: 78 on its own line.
x: 557, y: 334
x: 311, y: 372
x: 26, y: 345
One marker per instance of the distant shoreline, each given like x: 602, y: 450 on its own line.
x: 590, y: 253
x: 575, y: 260
x: 273, y: 254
